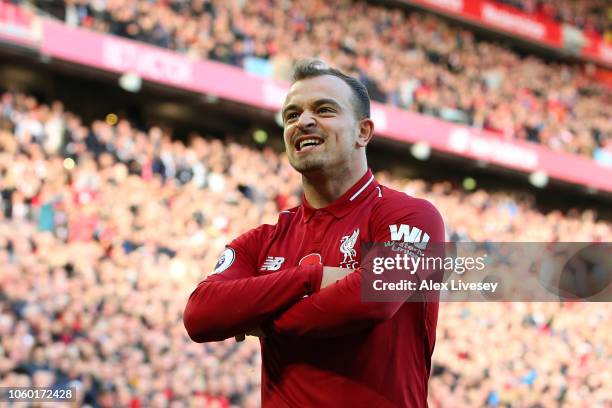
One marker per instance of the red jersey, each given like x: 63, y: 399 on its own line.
x: 324, y: 347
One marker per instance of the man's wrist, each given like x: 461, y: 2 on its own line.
x: 316, y: 277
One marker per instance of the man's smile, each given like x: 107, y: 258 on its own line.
x: 307, y: 143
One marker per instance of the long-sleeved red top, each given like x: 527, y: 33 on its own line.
x: 324, y: 347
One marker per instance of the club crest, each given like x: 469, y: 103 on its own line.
x: 347, y: 248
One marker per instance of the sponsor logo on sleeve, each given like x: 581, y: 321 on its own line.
x: 408, y: 234
x: 272, y: 263
x: 225, y: 260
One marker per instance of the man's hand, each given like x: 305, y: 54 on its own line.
x: 256, y: 332
x: 331, y: 274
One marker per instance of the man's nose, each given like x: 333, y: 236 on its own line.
x: 306, y: 120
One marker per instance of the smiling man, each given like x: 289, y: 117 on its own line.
x: 299, y: 282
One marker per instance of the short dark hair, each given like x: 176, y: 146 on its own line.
x: 310, y: 68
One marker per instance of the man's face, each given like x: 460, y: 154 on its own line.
x: 320, y: 126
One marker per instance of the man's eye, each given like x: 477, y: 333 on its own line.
x: 325, y: 110
x: 292, y: 115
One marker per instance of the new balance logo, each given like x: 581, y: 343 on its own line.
x: 272, y: 263
x: 409, y: 234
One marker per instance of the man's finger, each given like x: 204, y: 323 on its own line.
x: 257, y: 332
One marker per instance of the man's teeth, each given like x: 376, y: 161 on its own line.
x: 307, y: 142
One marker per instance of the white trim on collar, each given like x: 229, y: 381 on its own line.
x: 354, y: 196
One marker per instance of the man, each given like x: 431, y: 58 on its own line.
x: 300, y: 280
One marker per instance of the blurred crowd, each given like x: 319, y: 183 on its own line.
x: 591, y: 16
x: 410, y: 60
x: 105, y: 229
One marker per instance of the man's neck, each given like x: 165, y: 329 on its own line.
x: 322, y: 189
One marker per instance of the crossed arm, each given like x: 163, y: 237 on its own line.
x: 235, y: 302
x: 222, y: 307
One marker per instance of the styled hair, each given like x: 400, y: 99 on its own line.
x: 311, y: 68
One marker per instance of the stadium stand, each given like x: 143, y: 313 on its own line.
x: 105, y: 228
x: 415, y: 61
x: 589, y: 16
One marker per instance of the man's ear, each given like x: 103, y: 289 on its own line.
x: 366, y: 132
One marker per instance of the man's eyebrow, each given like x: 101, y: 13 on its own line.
x: 318, y: 102
x: 288, y: 108
x: 326, y: 101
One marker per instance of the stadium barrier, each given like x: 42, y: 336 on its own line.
x: 540, y: 30
x: 110, y: 53
x: 18, y: 26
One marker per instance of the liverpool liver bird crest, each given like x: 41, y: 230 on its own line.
x: 347, y: 246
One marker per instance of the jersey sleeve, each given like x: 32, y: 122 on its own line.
x: 235, y: 299
x: 338, y: 309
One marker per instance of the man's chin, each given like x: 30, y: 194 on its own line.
x: 307, y: 166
